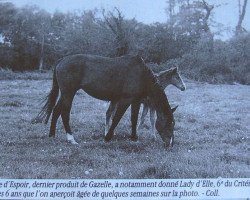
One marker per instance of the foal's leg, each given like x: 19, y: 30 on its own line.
x: 135, y: 107
x: 109, y: 114
x: 121, y: 109
x: 152, y: 120
x: 144, y: 114
x: 65, y: 113
x: 56, y: 113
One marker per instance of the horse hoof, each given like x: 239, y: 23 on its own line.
x: 52, y: 135
x: 71, y: 139
x: 107, y: 139
x: 73, y: 142
x: 134, y: 138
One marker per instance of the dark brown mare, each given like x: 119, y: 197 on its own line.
x: 125, y: 80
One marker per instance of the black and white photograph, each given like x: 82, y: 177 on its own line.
x: 124, y: 89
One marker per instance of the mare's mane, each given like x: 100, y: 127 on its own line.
x: 158, y: 96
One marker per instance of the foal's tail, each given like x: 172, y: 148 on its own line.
x: 47, y: 109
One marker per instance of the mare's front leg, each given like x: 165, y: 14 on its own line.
x: 152, y: 120
x: 135, y: 107
x: 121, y: 109
x: 109, y: 114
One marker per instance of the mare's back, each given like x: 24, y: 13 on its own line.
x: 104, y: 77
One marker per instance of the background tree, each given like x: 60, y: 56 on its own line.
x: 122, y: 30
x: 170, y: 10
x: 242, y: 11
x: 156, y: 43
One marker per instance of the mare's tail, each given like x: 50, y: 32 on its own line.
x: 47, y: 109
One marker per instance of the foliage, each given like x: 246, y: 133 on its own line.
x: 228, y: 62
x: 35, y: 39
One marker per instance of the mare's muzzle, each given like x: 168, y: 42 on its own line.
x: 169, y: 142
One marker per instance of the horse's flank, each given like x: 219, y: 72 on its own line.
x: 103, y: 78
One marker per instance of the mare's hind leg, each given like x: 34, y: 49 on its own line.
x: 56, y: 113
x: 144, y: 113
x: 109, y: 114
x: 152, y: 120
x: 135, y: 107
x: 65, y: 113
x: 121, y: 109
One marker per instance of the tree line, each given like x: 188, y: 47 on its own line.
x: 33, y: 39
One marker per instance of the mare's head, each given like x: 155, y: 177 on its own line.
x: 165, y: 127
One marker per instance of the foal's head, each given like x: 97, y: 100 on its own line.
x: 177, y: 80
x: 172, y: 76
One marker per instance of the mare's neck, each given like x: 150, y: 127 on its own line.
x: 160, y: 101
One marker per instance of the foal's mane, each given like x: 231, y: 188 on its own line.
x: 167, y: 71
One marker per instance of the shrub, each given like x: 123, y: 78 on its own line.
x: 228, y: 62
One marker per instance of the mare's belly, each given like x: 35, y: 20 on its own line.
x: 111, y: 94
x: 102, y: 94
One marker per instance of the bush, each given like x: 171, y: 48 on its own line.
x: 228, y: 62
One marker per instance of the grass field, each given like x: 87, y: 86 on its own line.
x: 211, y: 136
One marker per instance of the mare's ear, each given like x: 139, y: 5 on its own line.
x: 174, y: 109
